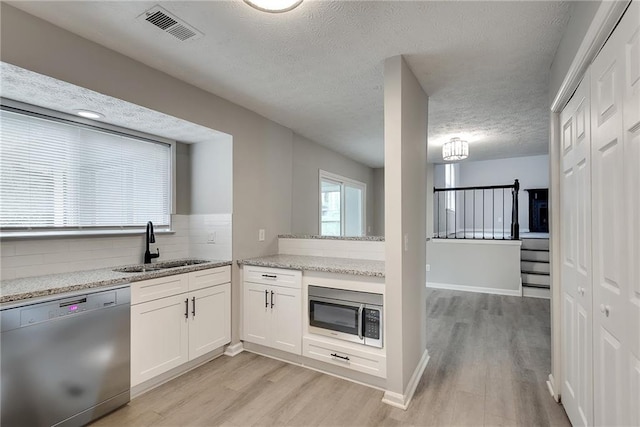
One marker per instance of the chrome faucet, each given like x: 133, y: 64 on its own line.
x: 150, y: 238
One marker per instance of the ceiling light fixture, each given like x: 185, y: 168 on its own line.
x: 456, y: 149
x: 89, y: 114
x: 273, y: 6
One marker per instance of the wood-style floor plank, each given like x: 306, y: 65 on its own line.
x: 490, y: 357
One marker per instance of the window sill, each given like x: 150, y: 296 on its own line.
x: 25, y: 235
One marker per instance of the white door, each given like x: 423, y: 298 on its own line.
x: 614, y: 82
x: 210, y: 319
x: 575, y: 189
x: 256, y: 314
x: 629, y: 53
x: 287, y: 319
x: 159, y: 337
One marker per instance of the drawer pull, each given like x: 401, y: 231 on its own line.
x: 345, y: 358
x: 270, y: 276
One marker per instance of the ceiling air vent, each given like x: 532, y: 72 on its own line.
x: 170, y: 24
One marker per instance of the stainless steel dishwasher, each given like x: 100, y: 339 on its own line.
x: 65, y: 359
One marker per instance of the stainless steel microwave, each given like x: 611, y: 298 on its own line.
x: 347, y: 315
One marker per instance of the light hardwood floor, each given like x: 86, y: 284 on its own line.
x: 490, y: 357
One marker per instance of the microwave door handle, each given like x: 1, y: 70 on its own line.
x: 360, y: 324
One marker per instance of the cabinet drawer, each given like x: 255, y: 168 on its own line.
x: 362, y: 361
x: 213, y: 276
x: 273, y: 276
x: 148, y: 290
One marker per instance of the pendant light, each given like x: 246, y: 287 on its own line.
x: 456, y: 149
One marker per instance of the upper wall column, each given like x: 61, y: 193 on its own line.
x: 405, y: 150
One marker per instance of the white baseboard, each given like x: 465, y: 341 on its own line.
x: 536, y: 292
x: 551, y: 387
x: 402, y: 401
x: 234, y: 349
x: 479, y: 289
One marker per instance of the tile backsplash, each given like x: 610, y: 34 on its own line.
x: 373, y: 250
x: 204, y: 227
x: 36, y: 257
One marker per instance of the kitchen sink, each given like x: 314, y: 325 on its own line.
x: 179, y: 263
x: 137, y: 269
x: 144, y: 268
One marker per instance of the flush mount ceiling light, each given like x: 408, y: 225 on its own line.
x: 456, y: 149
x: 273, y: 6
x: 89, y: 114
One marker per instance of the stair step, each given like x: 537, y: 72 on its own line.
x: 534, y: 267
x: 538, y: 244
x: 536, y: 279
x: 533, y: 285
x: 534, y: 255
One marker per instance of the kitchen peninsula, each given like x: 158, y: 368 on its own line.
x: 319, y: 303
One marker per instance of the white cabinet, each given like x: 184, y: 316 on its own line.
x: 168, y: 329
x: 372, y: 362
x: 210, y: 319
x: 272, y: 308
x: 159, y: 337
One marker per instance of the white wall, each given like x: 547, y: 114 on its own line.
x: 212, y: 177
x: 183, y: 178
x: 308, y: 159
x: 531, y: 171
x: 581, y: 15
x: 378, y: 202
x: 475, y: 265
x: 405, y: 126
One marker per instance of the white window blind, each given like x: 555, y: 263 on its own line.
x: 56, y: 174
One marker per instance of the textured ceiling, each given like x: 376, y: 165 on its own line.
x: 319, y: 68
x: 26, y: 86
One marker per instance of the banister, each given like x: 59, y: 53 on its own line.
x: 450, y: 206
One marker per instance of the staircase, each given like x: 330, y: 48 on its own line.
x: 534, y: 267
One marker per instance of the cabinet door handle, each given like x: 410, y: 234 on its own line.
x: 360, y: 322
x: 193, y: 301
x: 186, y: 308
x: 270, y: 276
x: 266, y: 295
x: 345, y: 358
x: 272, y: 299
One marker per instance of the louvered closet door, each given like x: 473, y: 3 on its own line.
x: 575, y: 190
x: 614, y: 120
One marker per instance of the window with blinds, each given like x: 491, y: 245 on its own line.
x: 55, y: 174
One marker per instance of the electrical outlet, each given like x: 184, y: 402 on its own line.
x: 261, y: 234
x: 499, y: 219
x: 428, y: 267
x: 211, y: 238
x: 406, y: 242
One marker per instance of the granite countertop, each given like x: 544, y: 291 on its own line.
x: 357, y: 267
x: 315, y: 236
x: 30, y: 287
